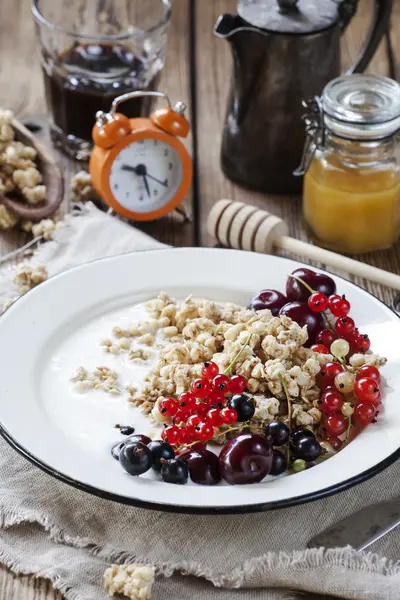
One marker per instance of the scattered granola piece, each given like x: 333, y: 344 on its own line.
x: 81, y: 187
x: 7, y: 219
x: 26, y: 225
x: 133, y: 581
x: 28, y: 276
x: 45, y: 229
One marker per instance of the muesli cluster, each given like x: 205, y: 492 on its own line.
x: 281, y: 384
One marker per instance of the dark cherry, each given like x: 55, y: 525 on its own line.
x: 203, y: 467
x: 268, y: 299
x: 317, y: 281
x: 135, y: 458
x: 279, y: 463
x: 246, y: 459
x: 160, y: 450
x: 116, y: 449
x: 303, y: 315
x: 175, y: 471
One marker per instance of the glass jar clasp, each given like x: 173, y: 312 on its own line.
x: 315, y: 130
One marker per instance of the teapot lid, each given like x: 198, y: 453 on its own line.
x: 289, y: 16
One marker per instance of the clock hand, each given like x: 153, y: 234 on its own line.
x: 164, y: 183
x: 146, y: 183
x: 129, y: 168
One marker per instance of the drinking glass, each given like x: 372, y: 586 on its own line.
x: 92, y: 52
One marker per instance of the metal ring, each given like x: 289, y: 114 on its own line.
x: 138, y: 94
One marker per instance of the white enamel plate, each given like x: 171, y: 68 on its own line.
x: 58, y: 327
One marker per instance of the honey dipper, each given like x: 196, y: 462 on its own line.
x: 245, y: 227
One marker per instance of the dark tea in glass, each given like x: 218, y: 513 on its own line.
x: 97, y: 54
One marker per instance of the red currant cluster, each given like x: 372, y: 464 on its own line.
x: 347, y: 399
x: 195, y: 414
x: 344, y: 326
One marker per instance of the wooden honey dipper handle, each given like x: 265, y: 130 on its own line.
x: 245, y: 227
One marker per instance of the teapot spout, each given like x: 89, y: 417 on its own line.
x: 228, y: 25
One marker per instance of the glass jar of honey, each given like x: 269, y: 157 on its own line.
x: 351, y: 163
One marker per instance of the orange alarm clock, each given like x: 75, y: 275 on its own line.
x: 140, y: 167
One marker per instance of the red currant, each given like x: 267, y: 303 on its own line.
x: 194, y: 421
x: 344, y: 327
x: 214, y: 417
x: 201, y: 388
x: 339, y: 306
x: 186, y: 436
x: 215, y: 398
x: 368, y: 371
x: 318, y: 302
x: 181, y: 416
x: 229, y: 416
x: 172, y: 434
x: 328, y: 373
x: 221, y: 382
x: 210, y: 370
x: 325, y: 337
x: 335, y: 442
x: 204, y: 431
x: 320, y: 349
x: 168, y: 407
x: 335, y: 425
x: 186, y: 401
x: 202, y: 408
x: 364, y: 413
x: 331, y: 402
x: 237, y: 384
x: 362, y: 343
x: 366, y: 389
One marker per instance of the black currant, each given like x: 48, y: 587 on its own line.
x: 175, y: 471
x: 160, y: 450
x: 244, y: 406
x: 279, y: 463
x: 135, y: 458
x: 308, y: 449
x: 278, y: 432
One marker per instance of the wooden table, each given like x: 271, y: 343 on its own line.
x: 197, y: 72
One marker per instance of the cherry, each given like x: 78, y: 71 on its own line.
x: 326, y: 377
x: 326, y: 337
x: 203, y: 466
x: 210, y: 370
x: 335, y: 442
x: 268, y: 299
x: 366, y: 389
x: 237, y: 384
x: 331, y: 402
x: 344, y: 327
x: 171, y: 434
x: 339, y: 305
x: 168, y: 407
x: 368, y: 371
x: 214, y: 417
x: 301, y: 314
x: 319, y: 282
x: 335, y: 424
x: 364, y: 413
x: 221, y: 382
x: 229, y: 416
x: 318, y: 302
x: 320, y: 349
x: 246, y: 459
x: 201, y: 388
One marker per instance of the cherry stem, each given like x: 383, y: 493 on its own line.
x: 233, y: 363
x: 348, y: 430
x: 303, y: 282
x: 289, y: 403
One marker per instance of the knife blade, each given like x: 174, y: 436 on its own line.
x: 361, y: 529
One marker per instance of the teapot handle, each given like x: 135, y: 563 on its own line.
x: 383, y: 10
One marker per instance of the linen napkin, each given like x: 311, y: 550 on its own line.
x: 51, y: 530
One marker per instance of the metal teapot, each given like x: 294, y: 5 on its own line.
x: 284, y: 51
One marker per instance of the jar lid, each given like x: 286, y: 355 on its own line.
x: 362, y: 106
x: 289, y: 16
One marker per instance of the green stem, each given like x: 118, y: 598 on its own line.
x: 348, y: 430
x: 289, y: 403
x: 233, y: 363
x: 303, y: 282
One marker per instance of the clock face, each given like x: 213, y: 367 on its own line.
x: 146, y: 175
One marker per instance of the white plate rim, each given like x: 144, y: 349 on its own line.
x: 208, y: 510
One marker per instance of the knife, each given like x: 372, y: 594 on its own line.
x: 361, y: 529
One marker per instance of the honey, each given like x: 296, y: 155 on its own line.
x: 351, y: 194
